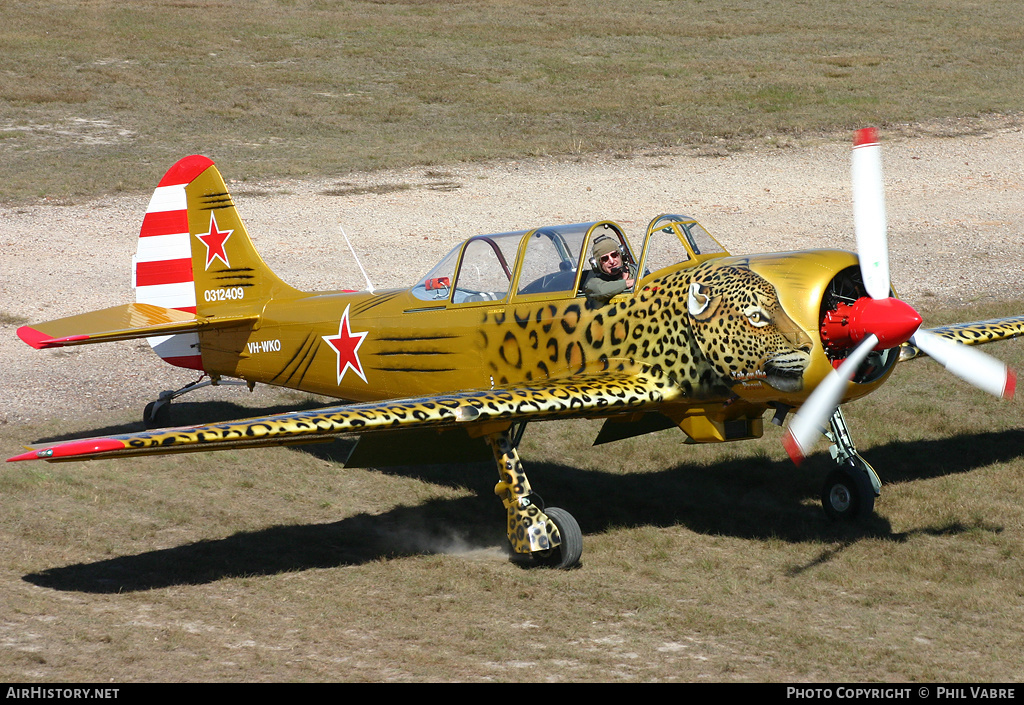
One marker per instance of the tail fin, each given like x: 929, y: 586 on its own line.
x: 194, y: 255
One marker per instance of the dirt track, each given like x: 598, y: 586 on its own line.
x: 955, y: 205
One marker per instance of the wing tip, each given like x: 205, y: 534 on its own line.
x: 85, y: 448
x: 32, y: 337
x: 30, y: 455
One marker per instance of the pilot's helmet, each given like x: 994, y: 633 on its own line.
x: 602, y: 246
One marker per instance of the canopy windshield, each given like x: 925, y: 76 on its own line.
x: 488, y: 263
x: 550, y: 261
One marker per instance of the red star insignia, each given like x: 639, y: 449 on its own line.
x: 346, y: 344
x: 214, y: 241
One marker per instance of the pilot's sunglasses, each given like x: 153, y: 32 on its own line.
x: 605, y: 258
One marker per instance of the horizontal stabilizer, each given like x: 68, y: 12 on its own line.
x: 125, y: 322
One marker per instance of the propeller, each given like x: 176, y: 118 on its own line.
x: 879, y: 321
x: 810, y: 421
x: 983, y: 371
x: 869, y: 222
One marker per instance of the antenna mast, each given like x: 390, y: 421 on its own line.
x: 369, y: 285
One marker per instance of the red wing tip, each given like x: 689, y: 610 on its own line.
x: 87, y: 447
x: 796, y: 453
x: 31, y: 455
x: 40, y: 341
x: 30, y: 335
x: 865, y: 136
x: 1011, y: 384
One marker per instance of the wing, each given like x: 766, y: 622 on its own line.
x: 977, y: 333
x: 479, y: 411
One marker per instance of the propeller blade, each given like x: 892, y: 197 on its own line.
x: 869, y: 212
x: 982, y: 370
x: 813, y: 416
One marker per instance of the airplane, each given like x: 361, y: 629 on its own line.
x: 500, y: 333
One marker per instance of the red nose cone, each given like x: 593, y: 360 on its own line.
x: 892, y: 321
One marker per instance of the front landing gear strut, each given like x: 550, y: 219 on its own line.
x: 850, y: 489
x: 550, y: 537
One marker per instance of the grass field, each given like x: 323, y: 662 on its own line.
x: 701, y: 563
x: 103, y: 89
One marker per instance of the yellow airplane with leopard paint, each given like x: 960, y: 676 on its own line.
x: 501, y: 332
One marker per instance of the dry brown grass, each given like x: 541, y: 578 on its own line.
x: 710, y: 563
x: 103, y: 89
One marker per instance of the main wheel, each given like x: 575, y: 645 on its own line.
x: 566, y: 555
x: 848, y: 495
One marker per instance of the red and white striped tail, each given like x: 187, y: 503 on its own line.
x: 162, y: 266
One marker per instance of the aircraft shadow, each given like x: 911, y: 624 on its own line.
x: 752, y: 498
x: 436, y: 526
x: 191, y: 413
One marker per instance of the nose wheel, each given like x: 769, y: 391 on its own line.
x: 849, y: 491
x: 847, y: 495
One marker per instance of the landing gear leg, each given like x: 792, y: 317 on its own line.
x: 850, y: 490
x: 551, y: 538
x: 158, y: 413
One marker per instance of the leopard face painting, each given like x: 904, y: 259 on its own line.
x: 646, y: 335
x: 743, y: 330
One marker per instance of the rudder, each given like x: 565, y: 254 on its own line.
x: 194, y: 255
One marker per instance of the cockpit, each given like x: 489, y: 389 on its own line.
x: 554, y: 261
x: 676, y: 238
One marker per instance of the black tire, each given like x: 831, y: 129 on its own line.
x: 566, y: 555
x: 157, y: 415
x: 848, y: 495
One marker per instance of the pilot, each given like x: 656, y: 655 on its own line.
x: 611, y: 275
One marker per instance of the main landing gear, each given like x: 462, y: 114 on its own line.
x: 849, y: 491
x: 550, y: 537
x: 158, y: 413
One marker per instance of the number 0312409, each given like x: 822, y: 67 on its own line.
x: 233, y: 293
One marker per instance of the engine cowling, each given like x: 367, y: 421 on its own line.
x: 773, y: 326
